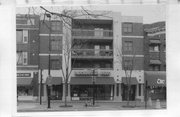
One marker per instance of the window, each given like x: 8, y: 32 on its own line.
x: 25, y: 36
x: 22, y: 58
x: 31, y: 22
x: 19, y: 36
x: 56, y: 44
x: 128, y: 65
x: 128, y: 46
x: 127, y: 27
x: 22, y: 36
x: 56, y: 26
x: 55, y: 64
x: 154, y: 48
x: 154, y: 67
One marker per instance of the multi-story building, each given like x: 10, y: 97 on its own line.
x: 102, y: 40
x: 27, y: 42
x: 102, y: 46
x: 155, y: 59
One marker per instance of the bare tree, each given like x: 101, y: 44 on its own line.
x: 67, y: 16
x: 128, y: 65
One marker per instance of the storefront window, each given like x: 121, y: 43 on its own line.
x: 25, y: 90
x: 56, y: 92
x: 102, y: 92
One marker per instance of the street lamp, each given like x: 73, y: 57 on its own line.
x: 49, y: 71
x: 49, y: 84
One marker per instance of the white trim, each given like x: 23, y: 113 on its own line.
x: 27, y: 66
x: 24, y: 28
x: 157, y: 33
x: 51, y: 34
x: 133, y: 55
x: 133, y: 37
x: 43, y: 54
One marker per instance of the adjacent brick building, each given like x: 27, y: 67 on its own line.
x: 27, y: 42
x: 155, y: 59
x: 103, y: 39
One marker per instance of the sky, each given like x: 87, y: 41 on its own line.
x: 150, y: 13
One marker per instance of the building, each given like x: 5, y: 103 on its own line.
x: 155, y: 59
x: 102, y: 40
x: 99, y: 45
x: 27, y: 38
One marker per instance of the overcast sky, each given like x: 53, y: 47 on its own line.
x: 150, y: 13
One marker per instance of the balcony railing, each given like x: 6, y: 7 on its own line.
x: 92, y: 53
x: 93, y: 33
x: 154, y: 55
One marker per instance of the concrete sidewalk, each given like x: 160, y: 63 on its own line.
x: 80, y: 106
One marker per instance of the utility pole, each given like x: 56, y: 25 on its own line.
x: 93, y: 87
x: 49, y: 65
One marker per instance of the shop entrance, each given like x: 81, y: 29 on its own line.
x: 132, y: 93
x: 102, y: 92
x: 56, y: 92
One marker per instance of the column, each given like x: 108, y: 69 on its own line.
x: 111, y: 92
x: 120, y: 96
x: 115, y: 94
x: 142, y: 92
x: 137, y: 91
x: 45, y: 93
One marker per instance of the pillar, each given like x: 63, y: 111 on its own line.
x: 117, y: 98
x: 111, y: 92
x: 142, y: 93
x: 137, y: 91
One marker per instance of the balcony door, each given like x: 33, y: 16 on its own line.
x: 97, y: 50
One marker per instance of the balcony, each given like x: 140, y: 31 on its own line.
x: 92, y: 53
x: 154, y: 55
x: 92, y: 34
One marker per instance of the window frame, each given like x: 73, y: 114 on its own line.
x: 127, y: 27
x: 127, y: 46
x: 55, y: 66
x: 57, y: 45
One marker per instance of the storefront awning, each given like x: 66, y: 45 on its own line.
x: 54, y: 80
x: 155, y: 78
x: 155, y: 62
x: 24, y: 81
x: 155, y: 41
x: 132, y: 80
x: 88, y: 80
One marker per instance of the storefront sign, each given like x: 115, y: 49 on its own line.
x: 86, y: 73
x: 23, y: 74
x: 160, y: 81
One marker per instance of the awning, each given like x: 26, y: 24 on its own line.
x: 88, y: 80
x: 24, y: 81
x: 132, y: 80
x: 54, y: 80
x: 155, y: 62
x: 155, y: 78
x: 155, y: 41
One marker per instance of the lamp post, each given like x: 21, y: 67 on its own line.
x: 146, y: 83
x: 49, y: 71
x: 93, y: 80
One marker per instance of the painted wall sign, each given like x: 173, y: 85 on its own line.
x: 23, y: 74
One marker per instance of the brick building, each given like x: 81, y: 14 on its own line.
x: 103, y: 38
x: 27, y: 42
x: 155, y: 59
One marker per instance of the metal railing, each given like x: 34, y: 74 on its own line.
x: 92, y: 52
x: 92, y: 33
